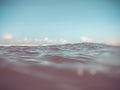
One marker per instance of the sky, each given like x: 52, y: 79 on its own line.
x: 59, y: 21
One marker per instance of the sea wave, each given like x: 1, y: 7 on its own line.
x: 62, y: 65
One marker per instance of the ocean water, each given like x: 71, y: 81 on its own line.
x: 81, y: 66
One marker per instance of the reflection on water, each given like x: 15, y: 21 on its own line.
x: 60, y: 67
x: 80, y: 72
x: 92, y: 71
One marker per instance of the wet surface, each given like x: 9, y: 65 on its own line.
x: 85, y: 66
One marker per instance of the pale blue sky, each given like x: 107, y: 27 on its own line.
x: 68, y: 19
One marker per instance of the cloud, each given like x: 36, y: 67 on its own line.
x: 32, y: 42
x: 37, y: 40
x: 85, y: 39
x: 7, y: 36
x: 64, y: 41
x: 113, y: 41
x: 52, y: 41
x: 46, y: 39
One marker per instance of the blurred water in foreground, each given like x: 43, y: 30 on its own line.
x: 82, y: 66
